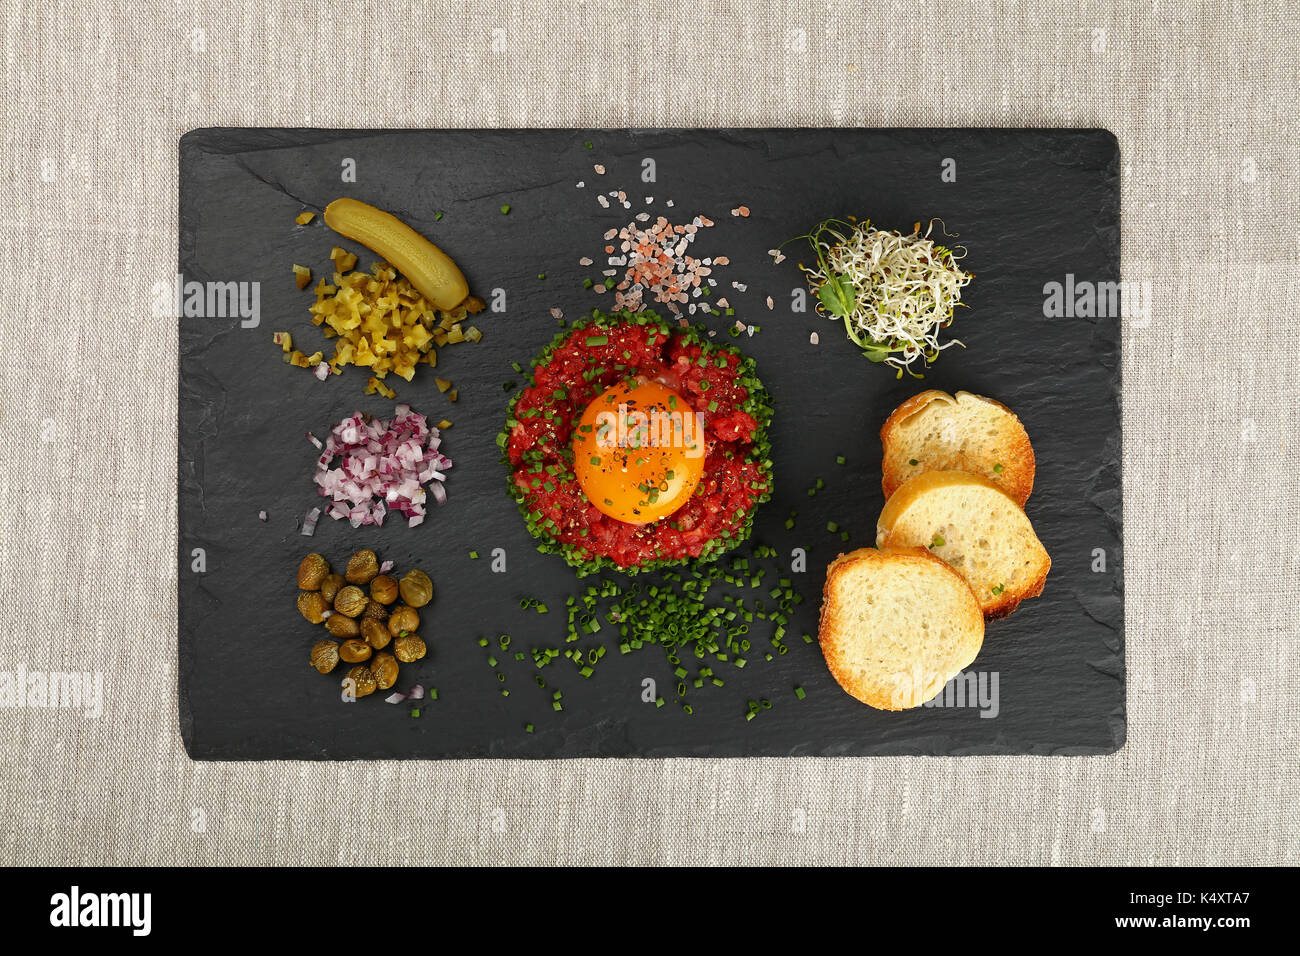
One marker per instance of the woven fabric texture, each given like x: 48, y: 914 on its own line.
x: 1204, y: 101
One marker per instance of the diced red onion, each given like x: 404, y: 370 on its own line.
x: 382, y: 467
x: 321, y: 371
x: 261, y: 516
x: 314, y: 440
x: 386, y: 567
x: 309, y: 522
x: 417, y: 692
x: 394, y: 698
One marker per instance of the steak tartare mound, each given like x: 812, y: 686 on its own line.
x: 617, y: 357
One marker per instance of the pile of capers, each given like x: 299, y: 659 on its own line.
x: 372, y: 634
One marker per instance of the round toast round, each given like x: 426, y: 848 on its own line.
x: 935, y: 431
x: 896, y: 625
x: 976, y: 528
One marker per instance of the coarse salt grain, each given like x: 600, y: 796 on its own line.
x: 600, y: 170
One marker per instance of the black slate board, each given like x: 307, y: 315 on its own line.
x: 1031, y: 206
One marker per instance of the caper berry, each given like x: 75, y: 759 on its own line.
x: 311, y: 572
x: 354, y: 650
x: 360, y: 681
x: 312, y: 606
x: 403, y: 619
x: 350, y: 600
x: 324, y: 656
x: 384, y: 667
x: 383, y: 589
x: 375, y: 633
x: 362, y: 567
x: 329, y: 588
x: 340, y: 625
x: 416, y: 588
x: 409, y: 648
x: 375, y: 611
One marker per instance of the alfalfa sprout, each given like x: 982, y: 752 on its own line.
x: 894, y: 292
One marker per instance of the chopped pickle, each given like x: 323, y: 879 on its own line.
x: 302, y: 275
x: 344, y: 261
x: 379, y: 320
x: 374, y: 385
x: 304, y: 217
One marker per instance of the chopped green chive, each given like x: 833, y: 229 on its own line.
x: 505, y: 210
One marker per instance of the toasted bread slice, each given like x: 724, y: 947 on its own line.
x: 976, y: 528
x: 935, y: 431
x: 897, y: 625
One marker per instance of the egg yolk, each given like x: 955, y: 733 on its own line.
x: 638, y: 452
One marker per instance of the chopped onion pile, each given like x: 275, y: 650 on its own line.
x: 383, y: 466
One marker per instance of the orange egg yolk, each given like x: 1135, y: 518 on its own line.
x: 638, y: 452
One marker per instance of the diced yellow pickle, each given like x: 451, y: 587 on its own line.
x: 379, y: 320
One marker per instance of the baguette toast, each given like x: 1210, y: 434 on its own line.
x: 976, y: 528
x: 897, y: 625
x: 935, y: 431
